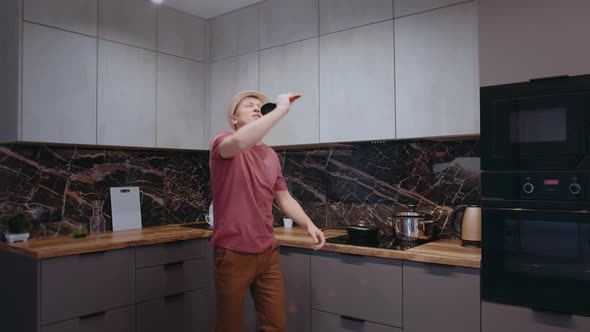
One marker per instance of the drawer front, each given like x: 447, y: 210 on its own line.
x: 508, y: 318
x: 171, y: 252
x: 190, y: 312
x: 173, y: 278
x: 116, y: 320
x: 75, y: 286
x: 357, y: 286
x: 323, y: 321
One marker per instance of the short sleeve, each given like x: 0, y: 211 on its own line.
x: 216, y: 141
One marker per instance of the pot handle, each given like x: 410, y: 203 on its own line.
x: 453, y: 216
x: 427, y: 221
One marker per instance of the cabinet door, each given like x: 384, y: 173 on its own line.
x: 234, y: 34
x: 126, y: 95
x: 359, y: 287
x: 408, y: 7
x: 74, y: 286
x: 181, y: 103
x: 295, y: 266
x: 286, y: 21
x: 356, y: 84
x: 229, y: 77
x: 116, y: 320
x: 72, y: 15
x: 181, y: 34
x: 337, y: 15
x: 293, y: 68
x: 59, y: 86
x: 526, y: 39
x: 323, y: 322
x: 507, y: 318
x: 436, y: 77
x: 184, y: 312
x: 131, y: 22
x: 440, y: 298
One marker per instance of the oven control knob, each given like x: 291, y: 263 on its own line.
x: 575, y: 188
x: 528, y: 188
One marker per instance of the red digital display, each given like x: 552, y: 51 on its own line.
x: 551, y: 182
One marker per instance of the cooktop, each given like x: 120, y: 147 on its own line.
x: 383, y: 242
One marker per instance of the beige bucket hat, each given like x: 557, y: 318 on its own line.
x: 238, y: 97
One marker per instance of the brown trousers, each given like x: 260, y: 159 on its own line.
x: 235, y: 272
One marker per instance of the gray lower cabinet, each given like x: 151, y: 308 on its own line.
x: 116, y: 320
x: 323, y: 321
x: 357, y: 287
x: 295, y: 265
x: 440, y: 298
x: 508, y: 318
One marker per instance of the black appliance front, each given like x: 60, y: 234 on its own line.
x: 537, y: 254
x: 540, y: 125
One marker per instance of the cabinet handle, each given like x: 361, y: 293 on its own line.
x: 352, y: 255
x: 552, y: 312
x: 93, y: 254
x: 548, y: 78
x: 96, y: 314
x: 173, y: 297
x: 352, y: 319
x: 173, y: 265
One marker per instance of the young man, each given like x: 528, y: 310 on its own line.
x: 245, y: 179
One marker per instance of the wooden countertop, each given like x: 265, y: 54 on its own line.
x: 446, y: 252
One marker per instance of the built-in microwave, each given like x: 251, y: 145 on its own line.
x: 537, y: 125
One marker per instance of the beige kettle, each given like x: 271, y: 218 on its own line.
x: 469, y: 227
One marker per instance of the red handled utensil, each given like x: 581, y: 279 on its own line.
x: 268, y: 107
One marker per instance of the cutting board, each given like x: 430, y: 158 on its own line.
x: 125, y: 208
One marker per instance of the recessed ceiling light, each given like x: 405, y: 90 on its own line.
x: 157, y: 2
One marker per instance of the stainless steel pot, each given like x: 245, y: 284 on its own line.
x: 412, y: 225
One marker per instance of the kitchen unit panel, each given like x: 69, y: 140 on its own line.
x: 436, y: 75
x: 293, y: 68
x: 181, y: 34
x: 507, y: 318
x: 336, y: 15
x: 185, y: 312
x: 126, y: 95
x: 59, y: 86
x: 286, y: 21
x: 234, y: 33
x: 181, y: 103
x: 116, y: 320
x: 356, y: 84
x: 73, y: 15
x: 74, y: 286
x: 172, y: 278
x: 527, y: 39
x: 10, y: 41
x: 171, y: 252
x: 131, y: 22
x: 323, y: 321
x: 359, y: 287
x: 408, y: 7
x: 229, y: 77
x: 448, y: 296
x: 295, y: 266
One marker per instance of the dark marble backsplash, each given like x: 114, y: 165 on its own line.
x: 340, y: 184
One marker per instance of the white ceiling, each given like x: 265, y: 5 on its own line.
x: 208, y: 8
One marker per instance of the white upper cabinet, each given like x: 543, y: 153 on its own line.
x: 131, y: 22
x: 526, y: 39
x: 59, y: 86
x: 234, y: 34
x: 356, y: 84
x: 293, y: 68
x: 228, y: 77
x: 408, y: 7
x: 72, y: 15
x: 181, y: 34
x: 126, y: 95
x: 336, y: 15
x: 286, y: 21
x: 181, y: 103
x: 436, y: 61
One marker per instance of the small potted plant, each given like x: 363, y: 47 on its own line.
x: 18, y: 227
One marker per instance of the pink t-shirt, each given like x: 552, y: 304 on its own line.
x: 243, y: 190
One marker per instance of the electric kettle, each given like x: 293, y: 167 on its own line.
x: 469, y: 227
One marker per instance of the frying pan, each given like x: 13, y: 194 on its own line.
x: 268, y: 107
